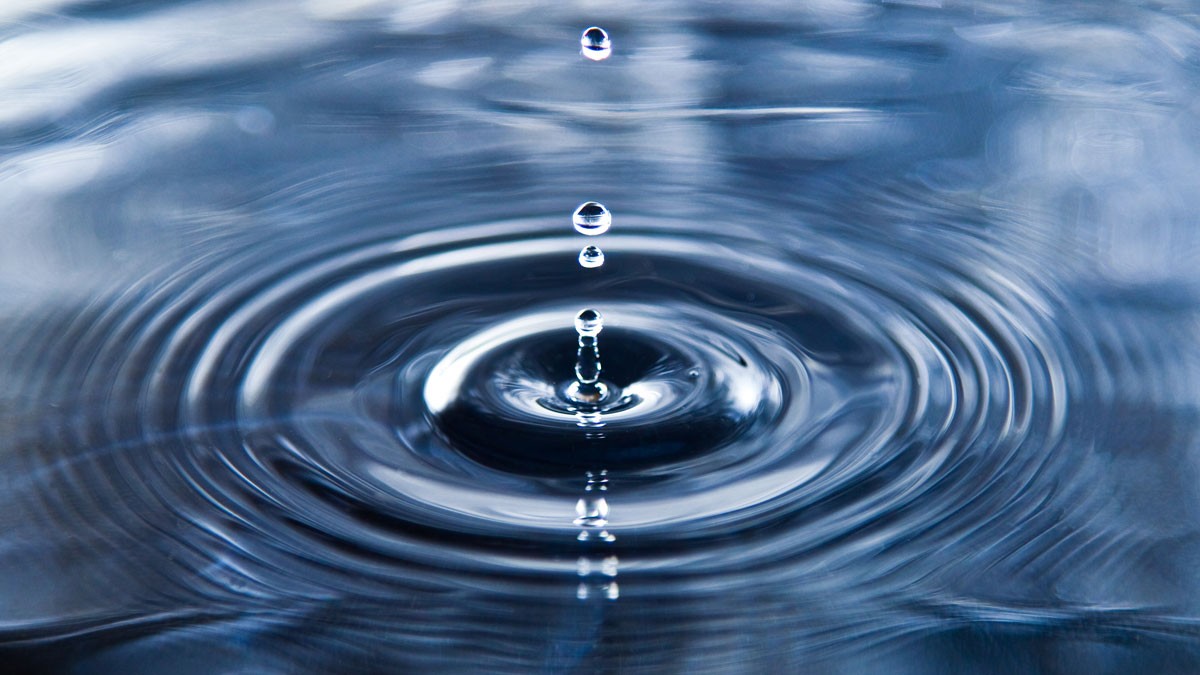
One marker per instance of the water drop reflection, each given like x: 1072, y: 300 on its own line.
x: 587, y: 390
x: 596, y: 574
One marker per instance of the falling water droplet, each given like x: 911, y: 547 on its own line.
x: 595, y: 44
x: 591, y: 257
x: 591, y: 218
x: 589, y: 323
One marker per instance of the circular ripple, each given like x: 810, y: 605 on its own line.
x: 351, y: 418
x: 501, y: 395
x: 777, y: 424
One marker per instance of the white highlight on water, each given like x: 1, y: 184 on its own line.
x: 591, y: 512
x: 587, y: 389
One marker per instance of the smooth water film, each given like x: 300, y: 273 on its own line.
x: 524, y: 337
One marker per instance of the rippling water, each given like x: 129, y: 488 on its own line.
x: 901, y: 330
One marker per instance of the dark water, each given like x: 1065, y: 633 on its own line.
x: 902, y: 299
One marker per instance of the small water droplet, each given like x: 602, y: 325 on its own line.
x: 589, y: 323
x: 595, y: 44
x: 591, y: 257
x: 591, y: 218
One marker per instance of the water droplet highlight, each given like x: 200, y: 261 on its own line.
x: 595, y: 44
x: 591, y: 218
x: 591, y: 257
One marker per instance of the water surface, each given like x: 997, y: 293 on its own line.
x: 904, y: 297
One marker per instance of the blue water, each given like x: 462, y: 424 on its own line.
x: 901, y: 308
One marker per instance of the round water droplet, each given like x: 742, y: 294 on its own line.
x: 589, y: 323
x: 595, y: 44
x: 591, y: 218
x: 591, y: 257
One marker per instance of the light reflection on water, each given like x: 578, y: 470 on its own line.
x: 914, y: 285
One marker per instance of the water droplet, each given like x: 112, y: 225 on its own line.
x: 595, y: 44
x: 591, y: 218
x: 589, y: 323
x: 591, y: 257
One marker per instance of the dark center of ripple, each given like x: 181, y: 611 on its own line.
x: 503, y: 398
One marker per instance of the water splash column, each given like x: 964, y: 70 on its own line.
x: 588, y: 391
x: 597, y: 571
